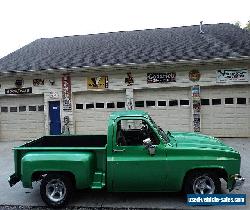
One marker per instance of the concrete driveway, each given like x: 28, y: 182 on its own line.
x: 13, y: 198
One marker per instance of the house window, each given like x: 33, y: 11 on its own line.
x: 229, y: 100
x: 13, y: 109
x: 139, y: 104
x: 205, y: 101
x: 216, y: 101
x: 241, y: 100
x: 79, y: 106
x: 22, y: 108
x: 162, y: 103
x: 173, y: 103
x: 120, y: 104
x: 150, y: 103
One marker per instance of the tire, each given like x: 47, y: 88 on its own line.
x: 56, y: 190
x: 202, y: 182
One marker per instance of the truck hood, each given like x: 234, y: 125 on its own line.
x: 195, y: 140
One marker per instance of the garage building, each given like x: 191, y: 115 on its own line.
x: 187, y: 79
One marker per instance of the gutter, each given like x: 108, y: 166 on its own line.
x: 118, y: 65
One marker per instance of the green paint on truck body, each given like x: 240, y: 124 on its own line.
x: 131, y: 168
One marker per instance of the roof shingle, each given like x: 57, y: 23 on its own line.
x: 141, y: 46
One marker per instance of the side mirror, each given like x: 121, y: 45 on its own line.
x: 148, y: 145
x: 147, y: 142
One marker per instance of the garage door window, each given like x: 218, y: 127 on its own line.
x: 216, y: 101
x: 205, y: 101
x: 241, y: 100
x: 22, y: 108
x: 184, y: 102
x: 40, y: 108
x: 150, y: 103
x: 139, y: 104
x: 173, y: 103
x: 111, y: 105
x: 99, y: 105
x: 4, y: 109
x: 13, y: 109
x: 120, y: 104
x: 162, y: 103
x: 32, y: 108
x: 229, y: 100
x: 89, y: 106
x: 79, y: 106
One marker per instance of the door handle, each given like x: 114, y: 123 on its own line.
x: 118, y: 150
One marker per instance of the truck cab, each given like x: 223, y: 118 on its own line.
x: 129, y: 163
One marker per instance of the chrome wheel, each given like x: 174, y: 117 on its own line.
x: 203, y: 185
x: 55, y: 190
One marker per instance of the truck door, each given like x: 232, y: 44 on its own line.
x: 131, y: 166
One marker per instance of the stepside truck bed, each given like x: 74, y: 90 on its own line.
x: 68, y: 147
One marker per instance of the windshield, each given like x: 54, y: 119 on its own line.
x: 160, y: 131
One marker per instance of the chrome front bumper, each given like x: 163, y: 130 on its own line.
x: 238, y: 182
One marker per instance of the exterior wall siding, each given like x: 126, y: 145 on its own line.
x: 116, y: 79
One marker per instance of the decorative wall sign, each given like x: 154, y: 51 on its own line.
x: 232, y: 75
x: 97, y: 83
x: 196, y: 108
x: 129, y: 80
x: 196, y: 122
x: 66, y: 92
x: 53, y: 95
x: 194, y: 75
x: 38, y: 82
x: 161, y: 77
x: 19, y: 83
x: 129, y: 99
x: 52, y: 82
x: 18, y: 90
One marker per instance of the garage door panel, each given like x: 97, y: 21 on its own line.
x: 24, y: 125
x: 94, y: 120
x: 226, y: 120
x: 175, y: 118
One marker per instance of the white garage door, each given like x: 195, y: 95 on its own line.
x: 21, y: 117
x: 92, y: 109
x: 170, y: 107
x: 225, y: 111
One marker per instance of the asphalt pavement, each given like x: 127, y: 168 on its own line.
x: 18, y: 197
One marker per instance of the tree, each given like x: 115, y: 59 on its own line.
x: 238, y: 24
x: 247, y: 27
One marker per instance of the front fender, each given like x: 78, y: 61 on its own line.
x: 80, y: 164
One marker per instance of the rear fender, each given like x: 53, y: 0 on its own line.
x: 80, y: 164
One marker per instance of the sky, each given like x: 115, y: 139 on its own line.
x: 23, y: 21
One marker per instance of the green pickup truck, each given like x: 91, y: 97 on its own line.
x: 135, y: 155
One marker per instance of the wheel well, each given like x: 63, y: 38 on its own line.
x: 38, y: 175
x: 219, y: 172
